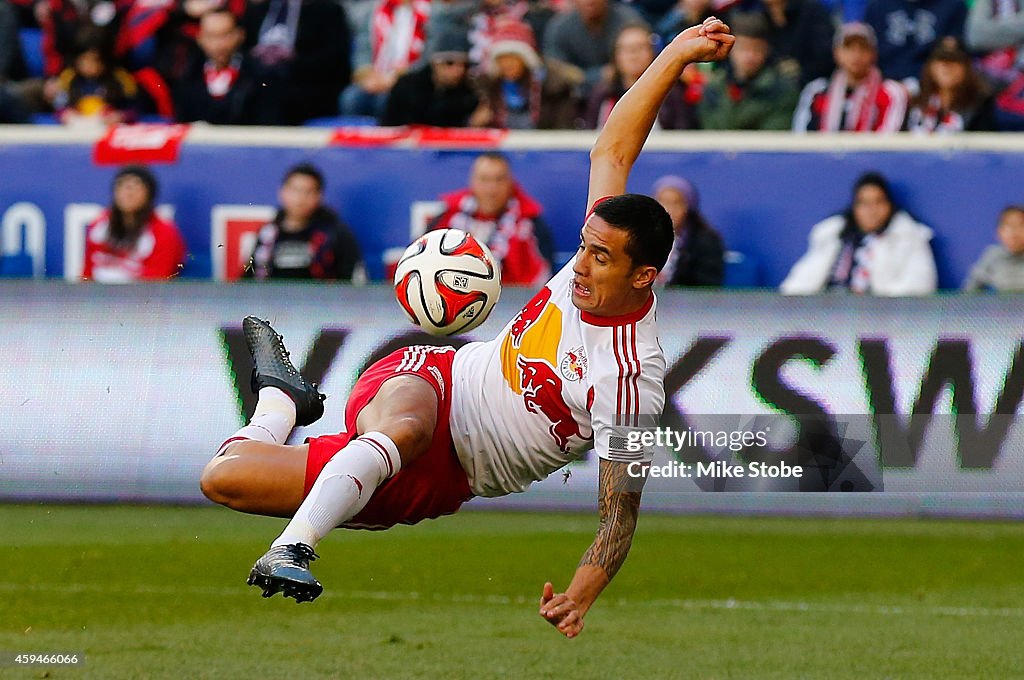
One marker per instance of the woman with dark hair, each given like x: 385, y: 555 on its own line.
x: 634, y: 52
x: 129, y: 241
x: 953, y: 96
x: 872, y: 248
x: 698, y: 254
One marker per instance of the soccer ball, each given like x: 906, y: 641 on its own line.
x: 447, y: 282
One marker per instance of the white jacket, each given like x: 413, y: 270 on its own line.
x: 902, y: 263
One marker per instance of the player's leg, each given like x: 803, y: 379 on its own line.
x: 394, y: 428
x: 253, y: 471
x: 257, y: 477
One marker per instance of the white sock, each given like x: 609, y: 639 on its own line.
x: 272, y: 421
x: 343, y: 488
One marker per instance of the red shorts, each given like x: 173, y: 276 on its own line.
x: 432, y: 485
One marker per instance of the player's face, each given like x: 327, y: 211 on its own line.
x: 300, y: 197
x: 606, y: 282
x: 871, y: 208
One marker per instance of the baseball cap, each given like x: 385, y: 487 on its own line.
x: 856, y: 29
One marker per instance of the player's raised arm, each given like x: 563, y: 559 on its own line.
x: 618, y: 508
x: 626, y: 130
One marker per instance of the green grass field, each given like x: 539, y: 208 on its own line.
x: 160, y: 593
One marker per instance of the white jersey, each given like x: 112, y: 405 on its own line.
x: 555, y: 383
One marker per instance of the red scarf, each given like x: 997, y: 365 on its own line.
x: 862, y: 115
x: 510, y: 235
x: 383, y: 19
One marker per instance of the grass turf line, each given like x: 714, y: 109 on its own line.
x: 160, y: 593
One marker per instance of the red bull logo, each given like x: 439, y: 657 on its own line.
x: 528, y: 316
x: 542, y: 393
x: 574, y: 365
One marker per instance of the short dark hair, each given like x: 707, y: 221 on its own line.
x: 309, y: 170
x: 1009, y: 210
x: 494, y: 156
x: 648, y: 224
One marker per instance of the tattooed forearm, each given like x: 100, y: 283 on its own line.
x: 618, y: 506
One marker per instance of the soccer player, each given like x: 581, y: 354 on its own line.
x: 427, y: 428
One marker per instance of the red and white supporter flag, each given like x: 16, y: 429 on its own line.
x: 148, y: 143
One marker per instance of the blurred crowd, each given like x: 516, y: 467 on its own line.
x: 871, y: 246
x: 928, y: 66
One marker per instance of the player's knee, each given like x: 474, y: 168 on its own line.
x: 215, y: 483
x: 412, y: 435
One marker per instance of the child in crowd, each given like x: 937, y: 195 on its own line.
x: 1001, y: 267
x: 94, y: 90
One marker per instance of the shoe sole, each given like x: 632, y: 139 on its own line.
x: 300, y: 592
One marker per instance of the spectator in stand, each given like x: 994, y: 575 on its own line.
x: 800, y: 35
x: 176, y: 38
x: 908, y: 29
x: 996, y: 28
x: 856, y: 98
x: 585, y: 37
x: 391, y: 43
x: 747, y: 91
x: 438, y: 93
x: 127, y: 24
x: 634, y: 52
x: 12, y: 61
x: 223, y: 85
x: 954, y: 97
x: 480, y: 19
x: 308, y: 41
x: 129, y: 241
x: 522, y: 92
x: 682, y: 15
x: 12, y: 68
x: 94, y: 90
x: 873, y: 248
x: 498, y: 212
x: 1001, y: 267
x: 306, y: 240
x: 698, y: 253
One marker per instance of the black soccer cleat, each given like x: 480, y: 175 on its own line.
x: 273, y: 368
x: 285, y: 569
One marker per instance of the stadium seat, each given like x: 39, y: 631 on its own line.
x: 741, y: 270
x: 16, y: 266
x: 44, y: 119
x: 32, y: 48
x: 342, y: 121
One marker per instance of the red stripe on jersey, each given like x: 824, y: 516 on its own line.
x: 618, y: 387
x: 636, y: 376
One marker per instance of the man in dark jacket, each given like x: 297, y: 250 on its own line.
x: 309, y: 41
x: 306, y: 240
x: 438, y: 93
x: 225, y: 87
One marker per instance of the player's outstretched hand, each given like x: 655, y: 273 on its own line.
x: 709, y: 41
x: 561, y: 612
